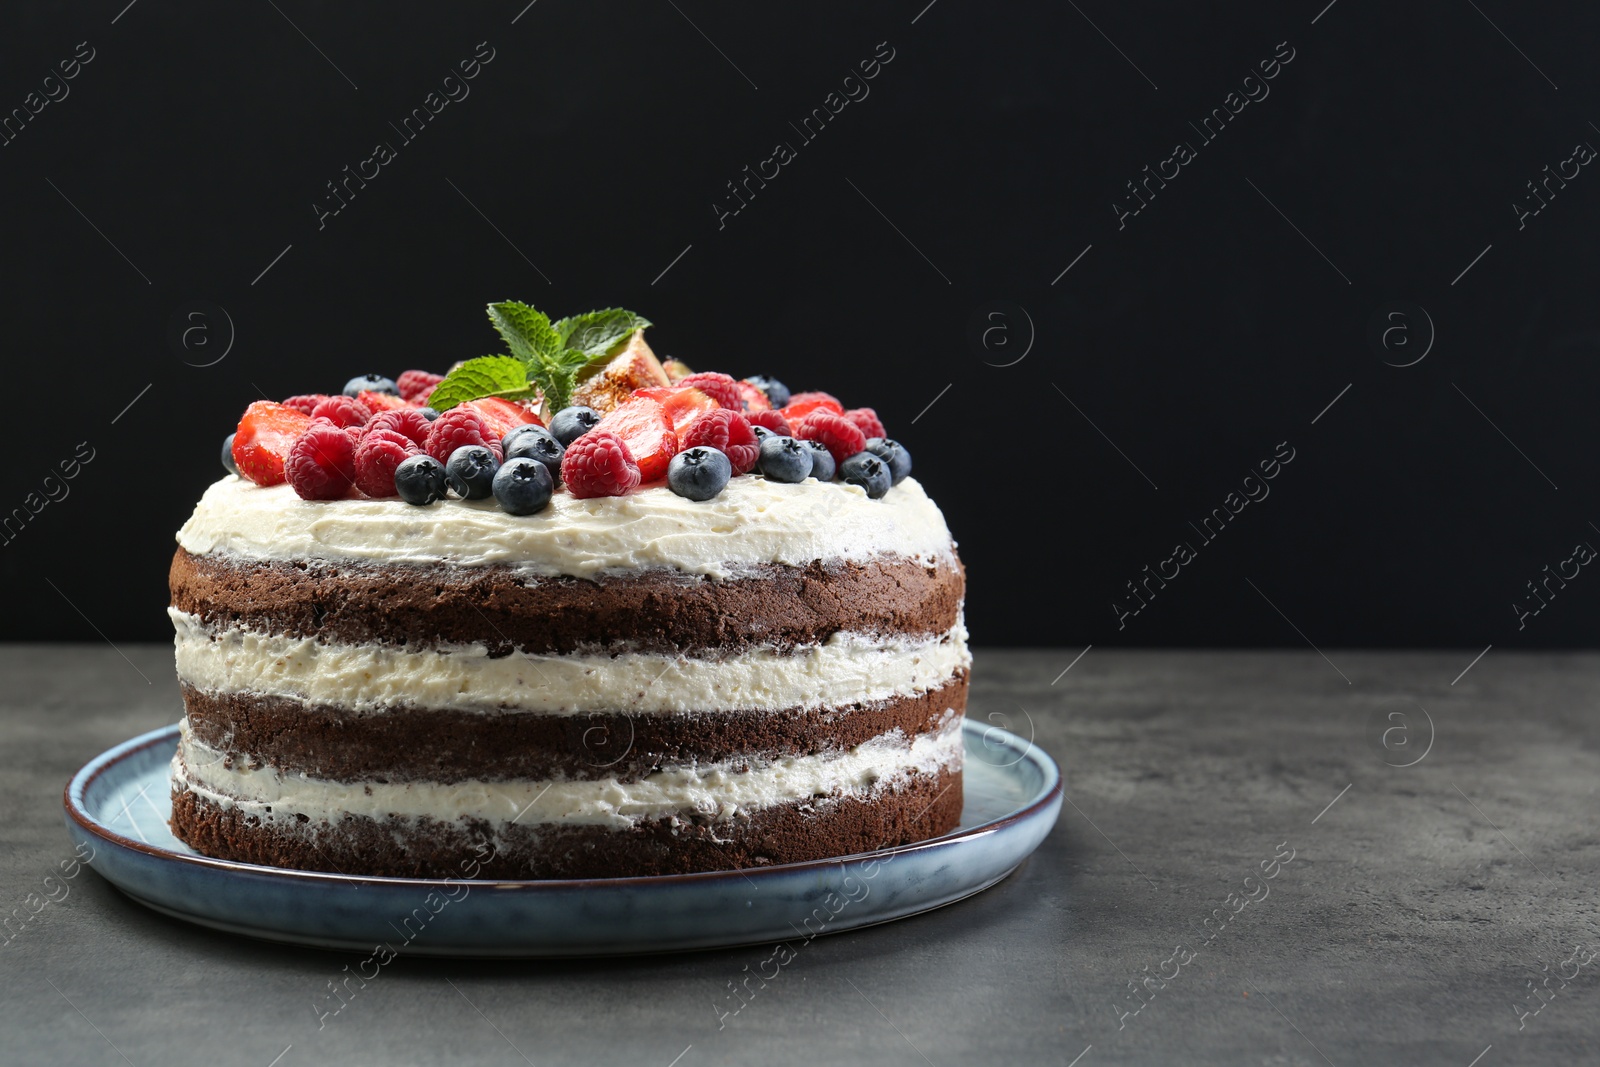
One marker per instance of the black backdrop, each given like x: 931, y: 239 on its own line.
x: 1357, y: 212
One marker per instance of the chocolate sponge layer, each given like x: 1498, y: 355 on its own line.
x: 923, y: 806
x: 438, y: 745
x: 657, y: 611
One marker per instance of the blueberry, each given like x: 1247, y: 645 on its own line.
x: 783, y: 459
x: 823, y: 467
x: 227, y: 454
x: 867, y: 471
x: 534, y: 442
x: 420, y: 480
x: 523, y: 486
x: 371, y: 383
x: 776, y: 391
x: 429, y: 413
x: 894, y: 454
x: 698, y: 473
x: 471, y: 471
x: 762, y: 433
x: 572, y: 423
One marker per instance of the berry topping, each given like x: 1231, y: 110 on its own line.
x: 305, y: 403
x: 502, y: 416
x: 783, y: 459
x: 719, y: 387
x: 421, y: 480
x: 835, y: 431
x: 894, y: 456
x: 457, y: 428
x: 572, y: 423
x: 429, y: 413
x: 643, y: 425
x: 762, y: 433
x: 681, y: 405
x: 777, y: 393
x: 380, y: 452
x: 227, y: 455
x: 370, y: 383
x: 771, y: 420
x: 382, y: 401
x: 866, y: 421
x: 729, y: 433
x: 266, y: 433
x: 802, y: 404
x: 867, y: 471
x: 407, y: 422
x: 534, y: 442
x: 699, y: 473
x: 523, y: 486
x: 754, y: 399
x: 471, y: 471
x: 342, y: 411
x: 599, y: 464
x: 823, y: 468
x: 415, y: 385
x: 322, y: 463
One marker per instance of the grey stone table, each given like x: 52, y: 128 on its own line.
x: 1413, y: 914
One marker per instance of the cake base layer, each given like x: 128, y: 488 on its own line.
x: 922, y: 806
x: 404, y: 744
x: 506, y: 610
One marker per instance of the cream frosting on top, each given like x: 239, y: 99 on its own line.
x: 752, y: 522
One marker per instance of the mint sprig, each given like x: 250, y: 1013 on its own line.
x: 545, y: 356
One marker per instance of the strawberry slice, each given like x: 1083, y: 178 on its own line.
x: 645, y: 427
x: 503, y: 416
x: 377, y: 402
x: 802, y: 404
x: 262, y: 442
x: 680, y: 403
x: 754, y: 399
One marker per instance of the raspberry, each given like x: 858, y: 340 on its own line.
x: 772, y: 420
x: 729, y: 433
x: 417, y: 384
x: 378, y: 454
x: 456, y: 428
x: 599, y: 464
x: 866, y: 421
x: 266, y: 433
x: 342, y: 411
x: 644, y: 426
x: 407, y: 422
x: 719, y: 387
x: 305, y: 403
x: 802, y: 404
x: 322, y: 463
x: 842, y: 437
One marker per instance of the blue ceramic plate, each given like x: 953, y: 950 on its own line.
x: 118, y: 806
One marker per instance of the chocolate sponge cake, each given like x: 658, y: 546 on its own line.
x: 636, y: 683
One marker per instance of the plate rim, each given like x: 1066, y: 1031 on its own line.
x: 73, y: 794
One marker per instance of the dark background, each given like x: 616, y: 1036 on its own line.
x: 986, y: 158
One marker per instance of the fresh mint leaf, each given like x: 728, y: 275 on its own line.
x: 596, y: 333
x: 485, y: 376
x: 527, y: 332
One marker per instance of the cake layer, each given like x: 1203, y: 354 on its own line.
x: 847, y: 668
x: 752, y: 522
x: 716, y: 791
x: 504, y: 608
x: 412, y: 743
x: 919, y: 806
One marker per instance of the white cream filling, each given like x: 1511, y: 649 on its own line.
x: 752, y: 522
x: 714, y: 790
x: 846, y: 669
